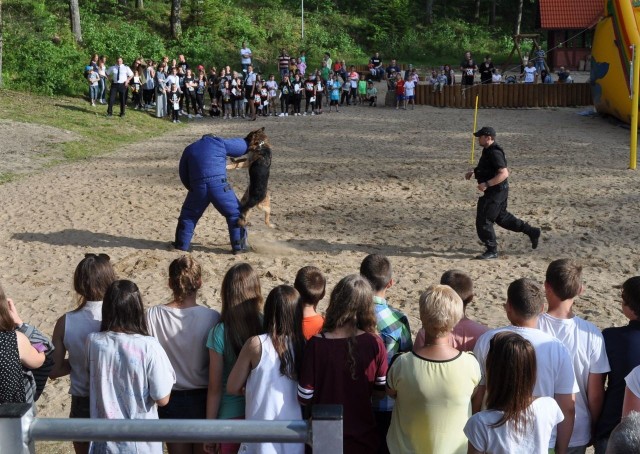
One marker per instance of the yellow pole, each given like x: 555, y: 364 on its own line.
x: 635, y: 94
x: 473, y: 139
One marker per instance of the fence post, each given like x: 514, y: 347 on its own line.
x: 326, y: 429
x: 15, y: 420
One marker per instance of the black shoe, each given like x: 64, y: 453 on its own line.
x: 534, y: 236
x: 241, y: 251
x: 488, y: 255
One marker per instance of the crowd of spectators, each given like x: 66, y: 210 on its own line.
x: 548, y: 380
x: 175, y: 88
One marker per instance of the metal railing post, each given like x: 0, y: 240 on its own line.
x: 20, y: 429
x: 15, y: 421
x: 326, y: 429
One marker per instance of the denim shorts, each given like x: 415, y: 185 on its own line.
x: 189, y: 404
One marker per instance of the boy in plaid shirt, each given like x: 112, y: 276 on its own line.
x: 393, y: 328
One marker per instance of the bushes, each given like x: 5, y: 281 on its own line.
x: 212, y: 35
x: 445, y: 42
x: 42, y: 58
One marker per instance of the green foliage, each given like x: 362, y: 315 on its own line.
x: 445, y: 42
x: 44, y: 57
x: 41, y: 56
x: 119, y: 38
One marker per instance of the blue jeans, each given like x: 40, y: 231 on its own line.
x: 102, y: 90
x: 94, y: 91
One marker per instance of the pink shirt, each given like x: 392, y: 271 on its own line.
x: 465, y: 335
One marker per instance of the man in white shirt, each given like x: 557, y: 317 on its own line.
x: 120, y: 75
x: 555, y: 378
x: 173, y: 78
x: 530, y: 74
x: 585, y: 343
x: 245, y: 56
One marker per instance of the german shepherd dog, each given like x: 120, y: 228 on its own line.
x: 258, y: 160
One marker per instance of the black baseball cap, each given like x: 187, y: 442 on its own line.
x: 485, y: 131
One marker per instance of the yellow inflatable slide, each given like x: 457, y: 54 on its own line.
x: 611, y: 55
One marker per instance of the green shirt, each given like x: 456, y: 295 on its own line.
x: 230, y: 406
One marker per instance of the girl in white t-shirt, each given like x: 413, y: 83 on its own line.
x: 181, y: 326
x: 496, y: 77
x: 91, y: 278
x: 266, y: 369
x: 409, y: 93
x: 130, y: 373
x: 514, y: 420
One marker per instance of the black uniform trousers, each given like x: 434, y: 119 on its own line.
x: 114, y: 91
x: 492, y: 208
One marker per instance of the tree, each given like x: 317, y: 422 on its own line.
x: 74, y: 9
x: 429, y: 12
x: 197, y: 12
x: 140, y: 4
x: 519, y: 17
x: 176, y: 25
x: 492, y: 13
x: 0, y: 43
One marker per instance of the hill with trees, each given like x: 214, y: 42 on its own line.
x: 44, y: 44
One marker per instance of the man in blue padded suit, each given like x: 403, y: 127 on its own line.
x: 203, y: 172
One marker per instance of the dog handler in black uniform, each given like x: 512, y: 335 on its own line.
x: 491, y: 174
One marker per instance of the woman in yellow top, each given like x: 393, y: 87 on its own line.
x: 433, y: 385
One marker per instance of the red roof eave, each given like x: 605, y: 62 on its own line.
x: 570, y: 14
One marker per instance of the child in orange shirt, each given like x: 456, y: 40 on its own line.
x: 311, y: 284
x: 400, y: 100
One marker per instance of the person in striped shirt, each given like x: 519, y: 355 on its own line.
x: 393, y: 328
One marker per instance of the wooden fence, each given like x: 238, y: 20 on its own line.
x: 503, y: 95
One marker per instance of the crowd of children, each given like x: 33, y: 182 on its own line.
x: 176, y: 88
x: 549, y: 380
x: 173, y: 89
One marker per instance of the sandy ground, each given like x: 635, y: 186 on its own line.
x: 366, y: 180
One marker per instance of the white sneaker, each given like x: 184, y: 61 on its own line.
x: 189, y: 116
x: 304, y: 114
x: 313, y: 113
x: 286, y: 114
x: 281, y: 114
x: 198, y: 116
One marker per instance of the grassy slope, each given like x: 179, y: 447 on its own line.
x: 97, y: 134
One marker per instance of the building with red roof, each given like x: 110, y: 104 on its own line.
x: 570, y: 25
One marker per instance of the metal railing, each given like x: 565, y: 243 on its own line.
x: 19, y: 429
